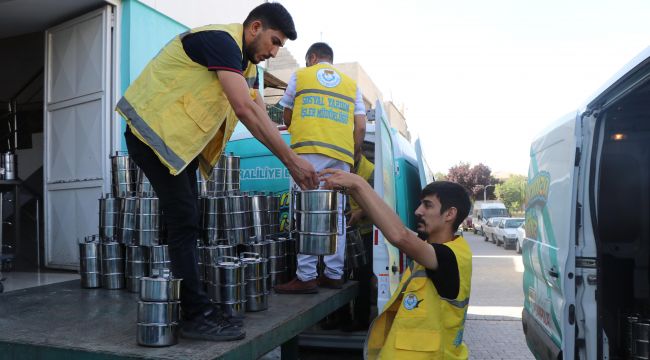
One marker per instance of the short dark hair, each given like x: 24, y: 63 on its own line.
x: 321, y: 50
x: 450, y: 195
x: 273, y: 16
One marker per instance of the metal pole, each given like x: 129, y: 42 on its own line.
x: 484, y: 192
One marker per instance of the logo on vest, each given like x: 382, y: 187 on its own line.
x: 411, y: 301
x: 328, y: 77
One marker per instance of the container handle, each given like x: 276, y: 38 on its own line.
x: 221, y: 258
x: 254, y: 254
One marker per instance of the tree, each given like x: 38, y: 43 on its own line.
x: 439, y: 176
x: 481, y: 176
x: 512, y: 192
x: 461, y: 174
x: 474, y: 179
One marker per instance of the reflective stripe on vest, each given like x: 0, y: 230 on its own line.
x: 149, y: 135
x: 322, y: 120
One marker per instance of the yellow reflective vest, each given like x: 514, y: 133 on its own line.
x: 417, y: 323
x: 323, y: 113
x: 178, y: 108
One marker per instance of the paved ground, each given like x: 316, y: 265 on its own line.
x: 493, y: 329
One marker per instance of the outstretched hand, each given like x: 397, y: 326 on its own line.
x: 335, y: 179
x: 304, y: 174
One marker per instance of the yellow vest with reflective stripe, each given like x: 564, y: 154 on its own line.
x: 323, y: 113
x: 417, y: 323
x: 178, y: 108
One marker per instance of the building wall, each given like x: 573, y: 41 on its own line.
x: 397, y: 119
x: 194, y: 13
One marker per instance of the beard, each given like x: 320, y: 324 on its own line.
x: 422, y: 234
x: 251, y: 50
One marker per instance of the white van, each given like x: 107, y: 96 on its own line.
x: 585, y: 253
x: 482, y: 211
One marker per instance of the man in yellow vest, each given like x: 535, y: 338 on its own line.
x: 425, y: 317
x: 180, y: 112
x: 326, y: 116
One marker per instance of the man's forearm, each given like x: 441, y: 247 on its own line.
x: 262, y: 128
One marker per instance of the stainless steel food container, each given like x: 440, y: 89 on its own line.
x: 233, y: 204
x: 256, y: 286
x: 321, y: 222
x: 233, y: 308
x: 229, y: 293
x: 90, y: 280
x: 159, y: 253
x: 316, y: 200
x: 277, y: 277
x: 90, y: 247
x: 112, y: 250
x: 262, y: 248
x: 237, y: 236
x: 158, y: 312
x: 136, y: 269
x: 257, y: 302
x: 227, y: 271
x: 113, y: 281
x: 316, y: 244
x: 159, y: 288
x: 156, y: 335
x: 254, y: 266
x: 144, y: 187
x: 236, y: 220
x: 259, y: 203
x: 112, y: 266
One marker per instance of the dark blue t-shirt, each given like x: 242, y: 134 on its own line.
x: 216, y: 50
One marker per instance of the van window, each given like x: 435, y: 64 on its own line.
x: 490, y: 213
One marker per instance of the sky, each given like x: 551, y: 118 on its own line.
x: 479, y: 80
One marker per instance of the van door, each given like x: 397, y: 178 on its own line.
x: 426, y: 176
x: 549, y: 248
x: 77, y: 132
x: 386, y: 257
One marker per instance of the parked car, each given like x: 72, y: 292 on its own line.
x: 521, y: 234
x: 506, y: 232
x: 489, y: 228
x: 482, y: 211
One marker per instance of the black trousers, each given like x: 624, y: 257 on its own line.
x: 178, y: 197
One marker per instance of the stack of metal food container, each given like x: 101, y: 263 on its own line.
x: 232, y: 173
x: 277, y: 260
x: 227, y: 287
x: 236, y: 211
x: 124, y: 174
x: 260, y: 216
x: 207, y: 256
x: 274, y: 214
x: 256, y: 279
x: 143, y: 187
x: 112, y: 264
x: 126, y: 219
x: 158, y: 309
x: 159, y: 258
x: 89, y: 257
x: 137, y: 266
x: 147, y: 221
x: 316, y: 220
x: 212, y: 230
x: 215, y: 185
x: 638, y: 337
x: 355, y: 251
x: 108, y: 216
